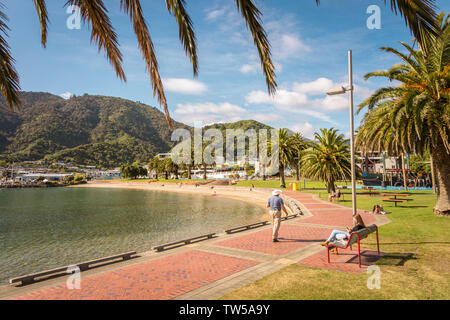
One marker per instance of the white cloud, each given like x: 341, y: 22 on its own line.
x: 362, y: 92
x: 300, y: 96
x: 250, y: 68
x: 300, y: 99
x: 306, y: 129
x: 208, y: 107
x: 186, y: 86
x: 290, y: 98
x: 333, y: 103
x: 281, y: 98
x: 287, y: 46
x: 66, y: 95
x: 319, y: 86
x: 214, y: 14
x: 259, y: 97
x: 209, y: 112
x: 265, y: 117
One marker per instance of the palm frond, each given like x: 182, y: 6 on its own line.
x: 252, y: 17
x: 185, y: 30
x: 134, y: 10
x: 95, y: 13
x: 41, y: 9
x: 419, y: 16
x: 9, y: 79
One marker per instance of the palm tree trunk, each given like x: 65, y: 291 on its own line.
x: 433, y: 175
x: 404, y: 172
x: 204, y: 172
x: 297, y: 172
x: 441, y: 159
x: 282, y: 180
x: 330, y: 186
x: 189, y: 171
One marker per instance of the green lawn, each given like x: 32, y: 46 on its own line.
x: 417, y: 265
x: 275, y: 183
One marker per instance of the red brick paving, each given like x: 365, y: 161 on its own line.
x: 346, y: 260
x: 290, y: 237
x: 164, y: 278
x: 321, y: 206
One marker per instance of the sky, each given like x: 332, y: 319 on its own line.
x: 309, y: 48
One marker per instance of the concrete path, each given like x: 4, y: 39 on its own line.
x: 212, y: 268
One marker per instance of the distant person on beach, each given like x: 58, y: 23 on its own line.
x: 276, y: 204
x: 337, y: 235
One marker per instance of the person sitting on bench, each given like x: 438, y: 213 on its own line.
x: 334, y: 195
x: 336, y: 235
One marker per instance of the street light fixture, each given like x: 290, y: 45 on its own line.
x: 342, y: 90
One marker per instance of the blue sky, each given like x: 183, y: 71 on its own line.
x: 309, y: 46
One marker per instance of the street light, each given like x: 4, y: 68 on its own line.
x: 342, y: 90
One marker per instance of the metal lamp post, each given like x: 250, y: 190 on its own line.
x: 343, y: 90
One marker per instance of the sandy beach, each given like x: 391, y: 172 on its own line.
x: 256, y: 196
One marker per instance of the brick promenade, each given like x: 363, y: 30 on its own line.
x: 209, y: 269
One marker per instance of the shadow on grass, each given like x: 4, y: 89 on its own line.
x: 396, y: 259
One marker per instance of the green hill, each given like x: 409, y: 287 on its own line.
x: 93, y: 130
x: 243, y: 124
x: 90, y: 130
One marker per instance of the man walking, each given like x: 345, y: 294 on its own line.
x: 276, y: 204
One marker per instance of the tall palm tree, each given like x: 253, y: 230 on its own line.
x: 328, y: 159
x: 419, y: 16
x: 414, y: 116
x: 300, y: 145
x: 287, y: 152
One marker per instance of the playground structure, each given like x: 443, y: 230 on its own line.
x: 394, y: 178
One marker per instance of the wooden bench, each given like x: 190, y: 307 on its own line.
x: 247, y: 227
x: 163, y: 247
x: 30, y: 278
x: 355, y: 237
x: 395, y: 200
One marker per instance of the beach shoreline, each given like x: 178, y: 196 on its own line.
x: 256, y: 196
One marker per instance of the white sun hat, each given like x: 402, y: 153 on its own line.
x: 276, y: 192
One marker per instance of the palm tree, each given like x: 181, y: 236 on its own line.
x: 299, y: 145
x: 154, y: 165
x: 328, y: 159
x: 414, y: 117
x: 419, y: 16
x: 287, y: 152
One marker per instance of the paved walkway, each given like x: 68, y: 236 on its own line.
x: 210, y: 269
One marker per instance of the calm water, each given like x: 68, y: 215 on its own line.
x: 47, y: 228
